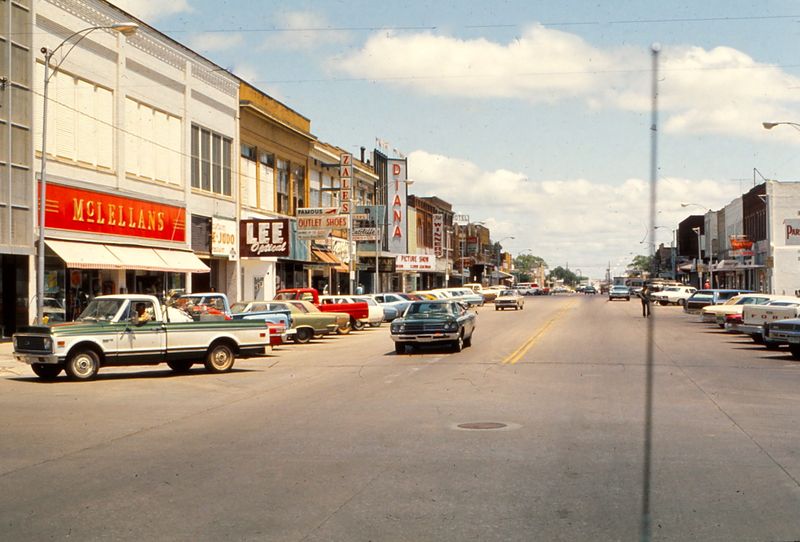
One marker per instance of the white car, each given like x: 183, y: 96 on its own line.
x: 509, y: 299
x: 375, y: 317
x: 673, y: 295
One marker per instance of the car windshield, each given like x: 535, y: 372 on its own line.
x: 101, y: 310
x: 430, y: 309
x: 507, y: 292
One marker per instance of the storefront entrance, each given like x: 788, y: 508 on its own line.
x: 13, y: 293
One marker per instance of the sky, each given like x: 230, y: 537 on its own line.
x: 532, y: 117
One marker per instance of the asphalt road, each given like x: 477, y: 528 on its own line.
x: 344, y: 440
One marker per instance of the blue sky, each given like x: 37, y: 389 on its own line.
x: 530, y: 116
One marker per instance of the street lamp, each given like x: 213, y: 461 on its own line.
x: 126, y: 28
x: 771, y: 125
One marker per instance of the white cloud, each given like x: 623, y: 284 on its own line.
x: 215, y: 41
x: 578, y: 221
x: 303, y: 31
x: 152, y: 10
x: 721, y: 90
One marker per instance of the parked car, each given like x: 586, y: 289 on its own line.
x: 357, y: 311
x: 434, y: 322
x: 509, y: 299
x: 397, y: 301
x: 619, y: 291
x: 675, y: 295
x: 464, y: 295
x: 784, y: 332
x: 756, y: 317
x: 702, y: 298
x: 307, y: 320
x: 488, y: 295
x: 716, y: 314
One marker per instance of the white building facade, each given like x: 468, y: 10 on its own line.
x: 141, y: 136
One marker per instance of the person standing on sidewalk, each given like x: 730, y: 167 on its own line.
x: 645, y: 296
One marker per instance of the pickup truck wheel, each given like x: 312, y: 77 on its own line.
x: 303, y: 335
x: 758, y: 339
x: 46, y: 371
x: 795, y: 350
x: 219, y: 358
x: 83, y: 365
x: 769, y: 345
x: 181, y: 366
x: 358, y: 325
x: 399, y: 348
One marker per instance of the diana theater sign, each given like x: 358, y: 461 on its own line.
x: 396, y: 208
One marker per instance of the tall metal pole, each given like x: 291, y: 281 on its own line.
x: 646, y: 521
x: 42, y: 194
x: 378, y: 243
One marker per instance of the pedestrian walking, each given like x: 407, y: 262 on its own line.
x: 645, y: 296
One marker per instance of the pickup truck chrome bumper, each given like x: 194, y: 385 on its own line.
x: 431, y: 337
x: 51, y: 359
x: 749, y: 329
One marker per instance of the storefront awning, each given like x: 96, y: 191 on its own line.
x: 139, y: 258
x: 100, y: 256
x: 84, y: 255
x: 182, y: 261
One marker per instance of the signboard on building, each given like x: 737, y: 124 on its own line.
x: 345, y: 181
x: 438, y: 234
x: 316, y: 212
x: 365, y: 234
x: 262, y: 238
x: 323, y: 222
x: 415, y: 262
x: 223, y: 237
x: 76, y: 209
x: 397, y: 206
x: 461, y: 220
x: 792, y: 231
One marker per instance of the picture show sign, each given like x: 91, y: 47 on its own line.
x: 264, y: 238
x: 415, y: 262
x: 75, y: 209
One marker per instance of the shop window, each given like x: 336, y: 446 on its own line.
x: 266, y: 181
x: 314, y: 185
x: 248, y: 174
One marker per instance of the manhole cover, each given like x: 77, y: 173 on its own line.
x: 482, y: 425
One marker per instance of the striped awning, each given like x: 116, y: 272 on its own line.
x: 84, y: 255
x: 107, y: 256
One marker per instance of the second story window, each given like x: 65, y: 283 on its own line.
x: 211, y: 161
x: 298, y: 186
x: 283, y: 187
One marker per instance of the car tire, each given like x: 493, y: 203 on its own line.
x: 373, y: 324
x: 663, y: 303
x: 627, y: 299
x: 180, y: 366
x: 83, y: 364
x: 795, y: 350
x: 758, y: 339
x: 356, y: 324
x: 399, y: 348
x: 497, y: 308
x: 219, y: 358
x: 458, y: 344
x: 681, y: 302
x: 468, y: 342
x: 46, y: 371
x: 344, y: 330
x: 303, y: 335
x: 769, y: 345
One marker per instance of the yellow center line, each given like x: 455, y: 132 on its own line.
x: 517, y: 354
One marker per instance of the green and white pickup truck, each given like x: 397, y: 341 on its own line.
x: 120, y: 330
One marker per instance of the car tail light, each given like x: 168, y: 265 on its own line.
x: 733, y: 318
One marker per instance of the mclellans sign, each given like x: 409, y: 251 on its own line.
x: 264, y: 238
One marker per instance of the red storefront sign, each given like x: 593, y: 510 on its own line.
x: 76, y: 209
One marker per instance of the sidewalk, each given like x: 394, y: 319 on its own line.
x: 8, y: 366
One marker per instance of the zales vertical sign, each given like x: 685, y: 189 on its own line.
x: 345, y: 182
